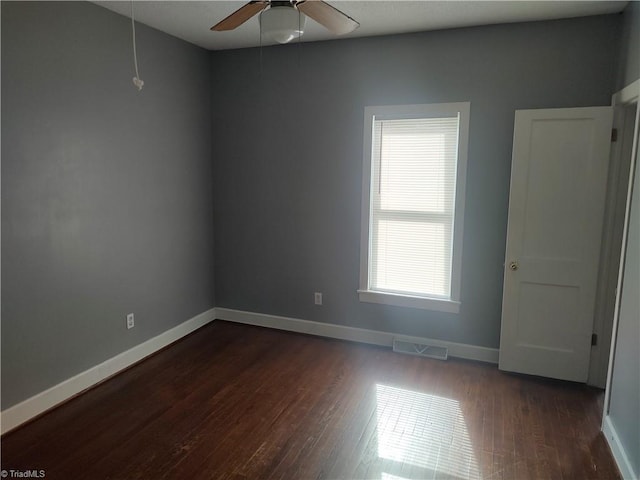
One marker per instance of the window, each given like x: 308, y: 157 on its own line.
x: 413, y: 201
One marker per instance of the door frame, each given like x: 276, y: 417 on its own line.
x: 627, y: 96
x: 612, y: 233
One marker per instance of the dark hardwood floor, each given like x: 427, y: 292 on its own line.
x: 233, y: 401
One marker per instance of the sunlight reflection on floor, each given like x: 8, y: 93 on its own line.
x: 423, y: 431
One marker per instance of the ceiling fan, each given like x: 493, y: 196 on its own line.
x: 283, y: 21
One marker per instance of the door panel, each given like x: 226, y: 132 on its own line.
x: 543, y: 308
x: 556, y: 205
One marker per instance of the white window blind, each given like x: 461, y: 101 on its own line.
x: 414, y: 171
x: 413, y: 166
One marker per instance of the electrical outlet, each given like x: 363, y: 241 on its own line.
x: 317, y: 296
x: 130, y: 321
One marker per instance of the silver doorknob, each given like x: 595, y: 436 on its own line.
x: 513, y: 266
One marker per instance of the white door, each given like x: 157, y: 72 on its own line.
x: 556, y: 206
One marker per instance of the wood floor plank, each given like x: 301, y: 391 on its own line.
x: 238, y: 402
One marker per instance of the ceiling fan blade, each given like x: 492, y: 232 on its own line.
x: 240, y: 16
x: 329, y: 17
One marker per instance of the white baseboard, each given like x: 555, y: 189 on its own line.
x: 18, y: 414
x: 618, y: 451
x: 374, y: 337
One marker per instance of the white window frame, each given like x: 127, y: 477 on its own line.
x: 393, y: 112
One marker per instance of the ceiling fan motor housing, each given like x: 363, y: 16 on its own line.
x: 282, y: 22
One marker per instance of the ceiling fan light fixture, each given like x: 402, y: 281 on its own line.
x: 282, y: 24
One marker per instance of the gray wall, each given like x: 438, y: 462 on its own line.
x: 625, y: 382
x: 629, y: 60
x: 288, y: 135
x: 106, y: 192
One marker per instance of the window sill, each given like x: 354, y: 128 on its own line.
x: 439, y: 305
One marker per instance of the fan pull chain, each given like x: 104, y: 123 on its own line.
x: 137, y: 81
x: 260, y: 52
x: 299, y: 38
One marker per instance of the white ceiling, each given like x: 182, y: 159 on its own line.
x: 191, y: 20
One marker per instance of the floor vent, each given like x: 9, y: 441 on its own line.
x: 420, y: 349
